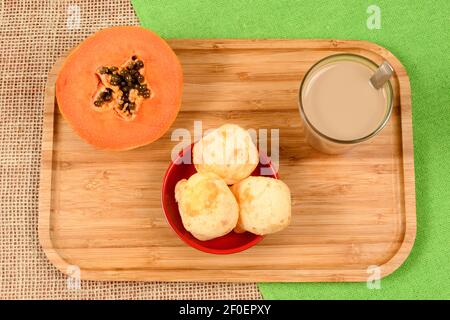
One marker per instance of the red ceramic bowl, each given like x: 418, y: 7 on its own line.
x: 230, y: 243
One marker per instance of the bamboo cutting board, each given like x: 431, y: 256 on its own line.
x: 100, y: 211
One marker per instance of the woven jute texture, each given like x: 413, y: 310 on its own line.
x: 33, y: 35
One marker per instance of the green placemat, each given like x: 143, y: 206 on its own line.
x: 418, y: 33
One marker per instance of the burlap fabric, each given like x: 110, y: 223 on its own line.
x: 33, y: 35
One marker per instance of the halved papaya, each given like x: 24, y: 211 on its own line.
x: 120, y: 88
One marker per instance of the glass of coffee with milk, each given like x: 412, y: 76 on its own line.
x: 344, y: 100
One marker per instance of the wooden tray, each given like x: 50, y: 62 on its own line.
x: 100, y: 211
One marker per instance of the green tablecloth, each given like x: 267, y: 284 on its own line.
x: 418, y: 33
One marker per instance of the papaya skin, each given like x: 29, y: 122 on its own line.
x: 77, y: 84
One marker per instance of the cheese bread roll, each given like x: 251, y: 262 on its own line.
x: 265, y: 205
x: 207, y: 206
x: 228, y: 152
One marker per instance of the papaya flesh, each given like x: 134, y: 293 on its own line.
x: 120, y: 88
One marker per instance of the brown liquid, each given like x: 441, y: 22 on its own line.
x: 340, y: 102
